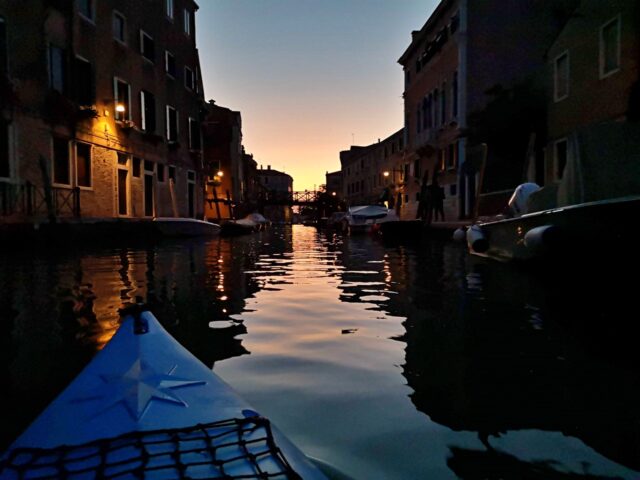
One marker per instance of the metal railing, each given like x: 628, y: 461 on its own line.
x: 29, y: 200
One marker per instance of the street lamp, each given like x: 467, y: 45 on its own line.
x: 386, y: 173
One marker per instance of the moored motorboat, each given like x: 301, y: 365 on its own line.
x: 185, y: 227
x: 232, y: 228
x: 367, y: 218
x: 146, y: 408
x: 259, y: 219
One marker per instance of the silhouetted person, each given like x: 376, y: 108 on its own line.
x: 424, y: 205
x: 437, y: 199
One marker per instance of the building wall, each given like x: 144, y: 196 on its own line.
x: 432, y: 66
x: 591, y: 97
x: 40, y: 113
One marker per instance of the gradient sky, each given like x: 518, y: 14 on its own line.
x: 308, y: 75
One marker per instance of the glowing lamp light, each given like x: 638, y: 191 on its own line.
x: 220, y: 173
x: 386, y: 174
x: 120, y: 108
x: 333, y: 193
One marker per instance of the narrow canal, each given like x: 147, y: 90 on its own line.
x: 386, y: 362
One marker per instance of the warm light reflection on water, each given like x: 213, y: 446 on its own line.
x: 383, y: 361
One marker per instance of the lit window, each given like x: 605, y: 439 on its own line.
x: 610, y: 47
x: 61, y: 171
x: 119, y: 27
x: 169, y: 8
x: 172, y: 124
x: 83, y: 165
x: 561, y: 77
x: 122, y: 98
x: 147, y: 46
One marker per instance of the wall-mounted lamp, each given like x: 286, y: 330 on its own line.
x: 120, y: 108
x: 220, y: 173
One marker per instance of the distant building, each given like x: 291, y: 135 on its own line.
x: 464, y: 53
x: 593, y: 85
x: 100, y: 110
x: 333, y: 184
x: 277, y: 185
x: 381, y: 172
x: 222, y: 142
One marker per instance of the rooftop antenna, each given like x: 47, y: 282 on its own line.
x: 353, y: 142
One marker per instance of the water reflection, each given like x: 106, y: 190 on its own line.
x: 420, y: 360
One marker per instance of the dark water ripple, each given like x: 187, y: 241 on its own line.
x: 383, y: 361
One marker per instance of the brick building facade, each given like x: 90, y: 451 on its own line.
x: 102, y: 99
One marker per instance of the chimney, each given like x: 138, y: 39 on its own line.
x: 268, y: 167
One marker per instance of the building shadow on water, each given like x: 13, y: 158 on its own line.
x: 491, y: 348
x: 470, y: 464
x: 61, y: 305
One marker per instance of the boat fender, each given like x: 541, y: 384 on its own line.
x: 541, y: 238
x: 460, y: 235
x: 476, y: 239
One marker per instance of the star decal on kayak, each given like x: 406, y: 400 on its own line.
x: 137, y: 387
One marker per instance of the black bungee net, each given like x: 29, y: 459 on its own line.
x: 203, y: 452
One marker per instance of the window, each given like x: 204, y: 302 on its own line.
x: 149, y: 166
x: 122, y: 159
x: 194, y: 134
x: 5, y: 165
x: 406, y: 172
x: 61, y: 170
x: 417, y: 196
x: 189, y: 79
x: 191, y: 176
x: 453, y: 189
x: 416, y: 168
x: 561, y: 77
x: 4, y: 64
x: 610, y: 47
x: 122, y: 97
x: 168, y: 5
x: 147, y: 112
x: 455, y: 23
x: 442, y: 164
x: 57, y: 68
x: 187, y: 22
x: 119, y: 32
x: 83, y: 82
x: 418, y: 120
x: 172, y: 124
x: 147, y: 46
x: 560, y: 158
x: 160, y: 172
x: 170, y: 64
x: 86, y: 8
x: 172, y: 173
x: 136, y: 167
x: 454, y: 95
x: 83, y: 165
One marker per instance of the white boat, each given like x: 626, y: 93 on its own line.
x: 259, y: 219
x: 146, y: 408
x: 367, y: 218
x: 185, y: 227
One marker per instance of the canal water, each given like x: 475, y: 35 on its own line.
x: 383, y: 361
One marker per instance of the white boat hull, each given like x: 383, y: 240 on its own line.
x: 185, y: 227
